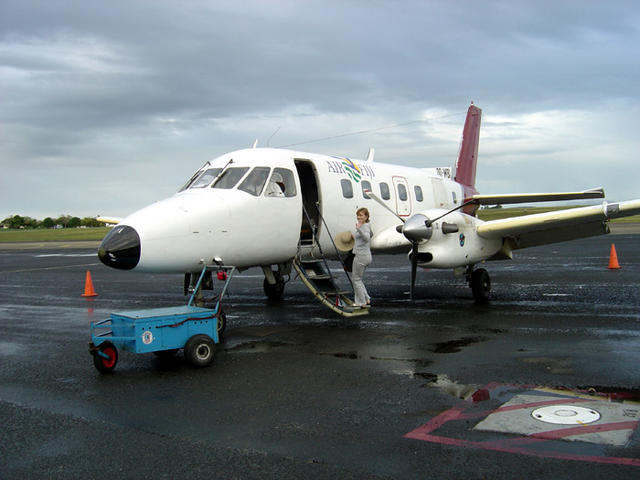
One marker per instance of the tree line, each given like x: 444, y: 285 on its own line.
x: 63, y: 221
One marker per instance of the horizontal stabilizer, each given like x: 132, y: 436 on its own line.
x: 537, y: 197
x: 109, y: 220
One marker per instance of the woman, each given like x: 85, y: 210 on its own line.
x: 362, y: 252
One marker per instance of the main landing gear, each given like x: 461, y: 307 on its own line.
x: 480, y: 284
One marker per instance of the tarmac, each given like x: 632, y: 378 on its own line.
x: 439, y: 387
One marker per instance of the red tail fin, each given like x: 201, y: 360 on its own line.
x: 468, y: 157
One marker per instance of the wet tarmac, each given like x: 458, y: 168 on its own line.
x: 298, y: 392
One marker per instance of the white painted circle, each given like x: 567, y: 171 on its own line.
x: 565, y: 415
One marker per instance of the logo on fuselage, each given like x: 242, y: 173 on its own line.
x: 352, y: 170
x: 346, y: 165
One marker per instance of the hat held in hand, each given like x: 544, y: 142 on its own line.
x: 345, y: 241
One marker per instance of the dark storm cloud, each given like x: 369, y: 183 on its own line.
x: 97, y: 83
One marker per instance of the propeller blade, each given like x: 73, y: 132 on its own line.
x: 414, y: 267
x: 469, y: 202
x: 370, y: 194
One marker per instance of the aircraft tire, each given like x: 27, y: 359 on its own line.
x: 481, y: 285
x: 106, y: 365
x: 199, y: 351
x: 274, y: 292
x: 222, y: 323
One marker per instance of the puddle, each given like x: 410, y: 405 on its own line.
x: 9, y: 348
x: 558, y: 366
x: 454, y: 346
x: 444, y: 383
x: 613, y: 393
x: 257, y: 347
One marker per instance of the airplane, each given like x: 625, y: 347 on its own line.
x: 269, y: 207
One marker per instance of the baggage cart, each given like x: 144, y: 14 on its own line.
x: 163, y: 331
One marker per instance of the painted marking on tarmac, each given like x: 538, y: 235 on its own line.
x: 617, y: 423
x: 566, y: 415
x: 50, y: 268
x: 73, y: 255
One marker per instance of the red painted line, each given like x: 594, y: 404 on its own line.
x: 585, y: 429
x: 558, y: 401
x: 563, y: 433
x: 436, y: 422
x: 423, y: 433
x: 457, y: 442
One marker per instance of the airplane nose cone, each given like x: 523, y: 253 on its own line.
x: 120, y: 248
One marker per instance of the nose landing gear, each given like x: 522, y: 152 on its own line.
x: 274, y: 281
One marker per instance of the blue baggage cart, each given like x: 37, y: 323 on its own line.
x: 162, y: 331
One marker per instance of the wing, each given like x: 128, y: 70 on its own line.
x: 558, y: 226
x: 536, y: 197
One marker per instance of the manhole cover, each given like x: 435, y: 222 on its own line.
x: 565, y: 415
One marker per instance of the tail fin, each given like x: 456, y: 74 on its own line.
x: 468, y: 157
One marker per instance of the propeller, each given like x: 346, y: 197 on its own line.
x: 416, y: 229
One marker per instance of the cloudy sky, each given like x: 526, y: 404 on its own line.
x: 106, y: 106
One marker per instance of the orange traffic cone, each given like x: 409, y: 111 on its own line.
x: 88, y: 287
x: 613, y: 258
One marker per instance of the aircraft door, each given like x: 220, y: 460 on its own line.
x: 403, y: 203
x: 439, y: 193
x: 310, y: 201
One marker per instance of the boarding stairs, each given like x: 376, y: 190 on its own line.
x: 314, y: 271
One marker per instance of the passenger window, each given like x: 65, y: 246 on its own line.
x: 281, y: 184
x: 402, y: 192
x: 347, y: 188
x: 418, y: 191
x: 230, y: 177
x: 366, y: 186
x: 384, y: 191
x: 254, y: 183
x: 205, y: 178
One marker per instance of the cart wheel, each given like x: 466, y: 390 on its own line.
x: 166, y: 354
x: 199, y: 350
x: 222, y: 323
x: 103, y: 364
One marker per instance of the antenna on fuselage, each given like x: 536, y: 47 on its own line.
x: 255, y: 144
x: 273, y: 135
x: 372, y: 152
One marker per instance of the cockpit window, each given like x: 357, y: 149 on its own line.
x: 230, y: 177
x: 254, y: 183
x: 281, y: 184
x: 204, y: 179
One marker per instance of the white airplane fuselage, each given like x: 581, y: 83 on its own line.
x: 248, y: 226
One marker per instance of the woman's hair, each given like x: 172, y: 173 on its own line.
x: 365, y: 211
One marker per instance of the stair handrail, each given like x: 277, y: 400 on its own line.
x: 315, y: 238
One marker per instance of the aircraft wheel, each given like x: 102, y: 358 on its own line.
x: 199, y: 351
x: 222, y: 323
x: 106, y: 363
x: 274, y: 292
x: 481, y: 285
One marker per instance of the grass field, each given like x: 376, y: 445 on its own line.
x: 50, y: 235
x: 71, y: 234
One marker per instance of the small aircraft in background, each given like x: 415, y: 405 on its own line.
x: 274, y: 208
